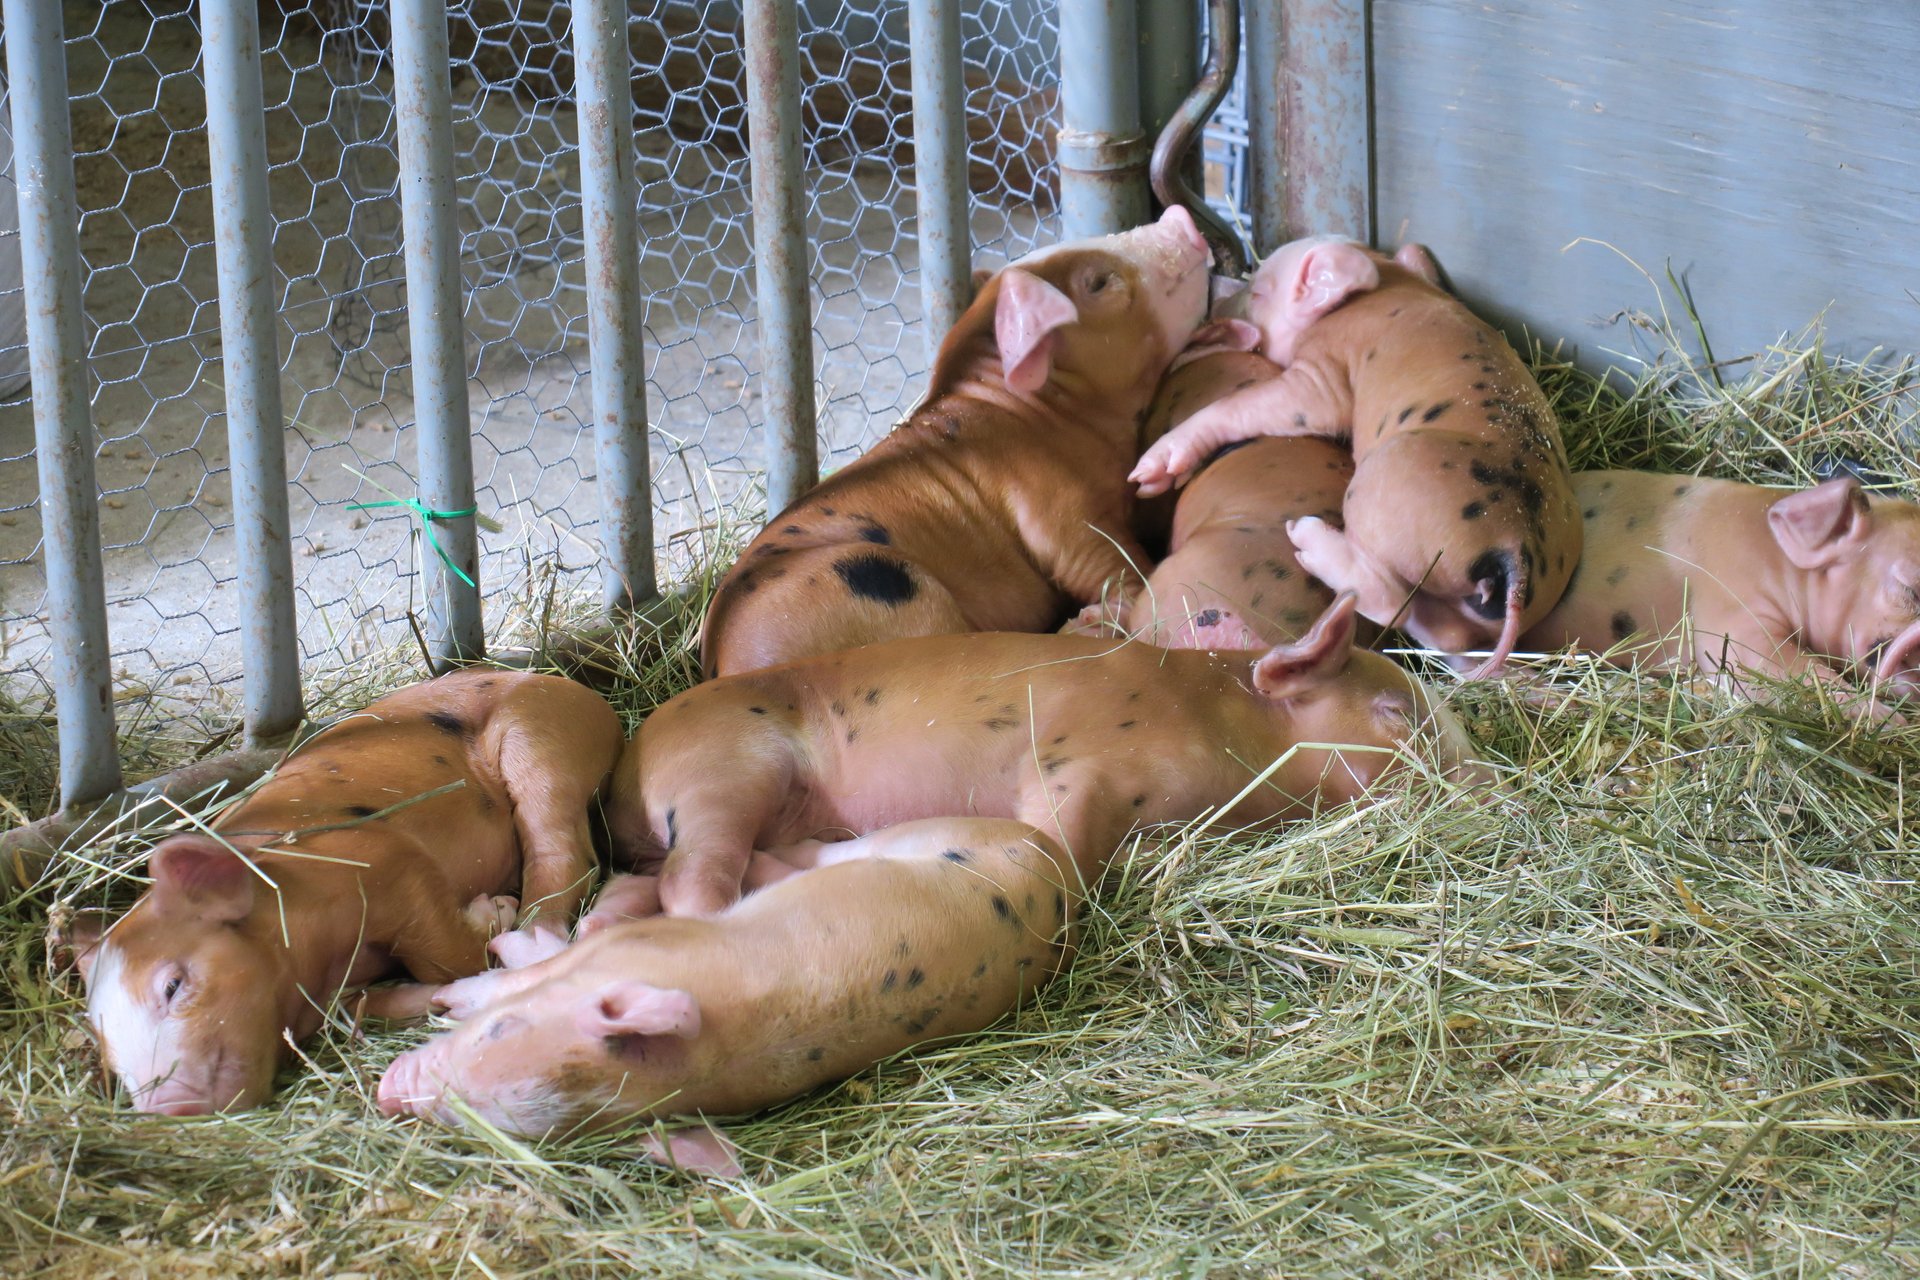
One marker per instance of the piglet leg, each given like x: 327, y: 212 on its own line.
x: 1330, y: 555
x: 701, y: 1149
x: 1306, y: 400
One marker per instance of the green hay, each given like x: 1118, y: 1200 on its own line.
x: 1655, y: 1012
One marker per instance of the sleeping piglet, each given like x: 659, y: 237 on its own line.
x: 986, y: 781
x: 1001, y: 503
x: 1230, y: 579
x: 1735, y: 577
x: 1460, y: 522
x: 335, y: 873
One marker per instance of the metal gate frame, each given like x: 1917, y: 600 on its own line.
x: 1308, y: 104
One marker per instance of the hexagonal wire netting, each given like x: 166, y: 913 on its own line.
x: 139, y: 113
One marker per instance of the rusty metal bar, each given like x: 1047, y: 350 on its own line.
x: 604, y: 98
x: 1103, y: 151
x: 243, y: 252
x: 423, y: 101
x: 62, y: 421
x: 780, y: 249
x: 1170, y: 169
x: 1310, y: 116
x: 940, y: 165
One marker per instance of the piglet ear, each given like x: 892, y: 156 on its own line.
x: 1030, y: 311
x: 1326, y: 276
x: 1415, y: 258
x: 1821, y: 526
x: 631, y: 1008
x: 703, y: 1150
x: 1290, y: 670
x: 201, y: 876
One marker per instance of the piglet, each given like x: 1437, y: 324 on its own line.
x: 924, y: 924
x: 1734, y: 578
x: 325, y: 878
x: 1230, y: 579
x: 1460, y: 522
x: 1001, y: 502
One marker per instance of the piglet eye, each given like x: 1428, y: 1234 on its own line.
x: 172, y: 989
x: 1099, y: 283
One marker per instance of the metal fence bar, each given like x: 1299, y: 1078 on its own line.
x: 780, y: 249
x: 604, y: 96
x: 1169, y: 68
x: 1311, y: 119
x: 423, y: 101
x: 62, y: 421
x: 1103, y: 151
x: 243, y: 251
x: 940, y: 165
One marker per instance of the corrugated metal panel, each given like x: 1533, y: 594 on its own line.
x: 1769, y: 151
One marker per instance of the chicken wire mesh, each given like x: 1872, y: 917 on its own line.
x: 138, y: 112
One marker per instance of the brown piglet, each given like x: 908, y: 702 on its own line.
x: 1001, y: 503
x: 1460, y: 522
x: 331, y: 875
x: 1230, y: 579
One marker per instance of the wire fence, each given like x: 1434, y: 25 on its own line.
x: 138, y: 108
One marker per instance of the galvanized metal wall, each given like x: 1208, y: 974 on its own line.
x: 1768, y: 153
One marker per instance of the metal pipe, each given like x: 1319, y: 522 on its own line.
x: 1169, y: 68
x: 1103, y: 152
x: 62, y: 422
x: 604, y: 101
x: 1170, y: 169
x: 940, y: 165
x: 423, y: 93
x: 780, y: 250
x: 1310, y: 115
x: 243, y: 252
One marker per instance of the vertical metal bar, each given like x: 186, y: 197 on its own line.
x: 243, y: 252
x: 423, y: 100
x: 604, y: 102
x: 1311, y: 92
x: 940, y: 165
x: 780, y: 249
x: 1103, y: 151
x: 1169, y: 68
x: 62, y: 423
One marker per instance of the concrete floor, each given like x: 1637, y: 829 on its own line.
x: 153, y: 323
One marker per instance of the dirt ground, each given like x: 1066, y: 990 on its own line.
x: 147, y: 238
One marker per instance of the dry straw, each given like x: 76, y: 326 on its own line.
x: 1654, y: 1013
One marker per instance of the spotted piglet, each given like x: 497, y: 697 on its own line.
x: 1001, y: 503
x: 1736, y: 579
x: 1460, y: 522
x: 1230, y: 579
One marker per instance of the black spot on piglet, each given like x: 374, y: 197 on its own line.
x: 448, y: 724
x: 1623, y: 625
x: 876, y: 577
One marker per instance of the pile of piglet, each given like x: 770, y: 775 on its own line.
x: 1118, y: 569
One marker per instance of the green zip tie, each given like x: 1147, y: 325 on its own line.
x: 427, y: 516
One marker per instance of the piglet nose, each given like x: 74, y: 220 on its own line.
x: 1180, y: 221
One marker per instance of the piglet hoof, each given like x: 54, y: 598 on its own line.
x: 626, y: 897
x: 701, y: 1150
x: 461, y: 1000
x: 1094, y: 620
x: 518, y: 948
x: 493, y: 913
